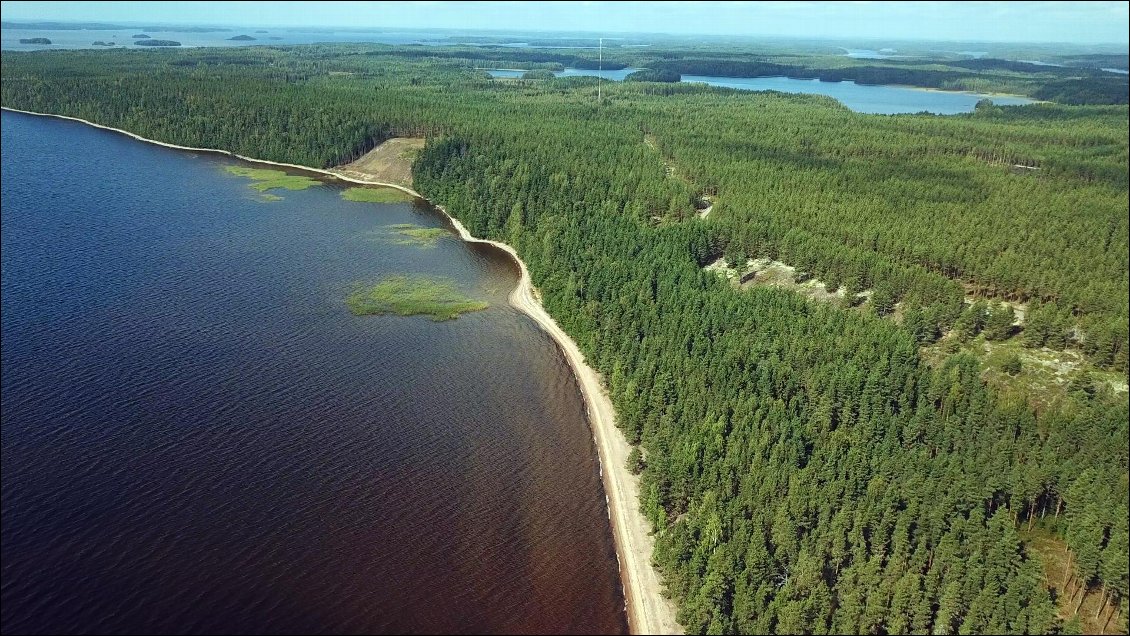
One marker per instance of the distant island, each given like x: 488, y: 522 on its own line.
x: 157, y: 43
x: 242, y: 38
x: 648, y: 75
x: 34, y: 41
x: 262, y: 31
x: 539, y: 74
x: 101, y: 43
x: 142, y: 36
x: 101, y: 26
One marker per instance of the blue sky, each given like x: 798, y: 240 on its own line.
x: 1077, y: 22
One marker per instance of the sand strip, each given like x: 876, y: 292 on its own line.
x: 649, y: 612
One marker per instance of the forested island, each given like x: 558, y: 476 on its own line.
x: 887, y: 459
x: 649, y: 75
x: 35, y: 41
x: 538, y: 74
x: 242, y: 38
x: 157, y: 43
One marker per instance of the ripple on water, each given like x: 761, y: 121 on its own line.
x: 199, y: 437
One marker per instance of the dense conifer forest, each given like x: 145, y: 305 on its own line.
x: 805, y: 467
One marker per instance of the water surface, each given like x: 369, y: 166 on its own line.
x: 84, y: 38
x: 198, y: 436
x: 614, y: 75
x: 862, y: 98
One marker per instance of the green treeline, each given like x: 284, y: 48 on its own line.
x: 804, y: 469
x: 1050, y: 83
x: 538, y: 74
x: 653, y: 76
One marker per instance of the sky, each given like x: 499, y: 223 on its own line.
x: 1075, y: 22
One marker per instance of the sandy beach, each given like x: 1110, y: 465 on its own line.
x: 649, y: 612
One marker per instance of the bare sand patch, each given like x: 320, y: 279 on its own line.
x: 390, y: 162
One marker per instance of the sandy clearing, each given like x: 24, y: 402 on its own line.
x: 649, y: 612
x: 390, y: 162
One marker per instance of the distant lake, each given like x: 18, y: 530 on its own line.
x: 617, y: 76
x: 198, y: 436
x: 881, y: 100
x: 84, y: 39
x: 871, y: 54
x: 862, y: 98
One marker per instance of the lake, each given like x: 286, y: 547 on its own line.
x: 881, y: 100
x: 199, y: 437
x: 84, y: 38
x: 614, y: 75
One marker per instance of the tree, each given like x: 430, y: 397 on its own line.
x: 882, y: 300
x: 972, y: 320
x: 999, y: 323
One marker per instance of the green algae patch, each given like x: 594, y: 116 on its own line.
x: 376, y: 195
x: 408, y: 234
x: 410, y: 296
x: 266, y: 179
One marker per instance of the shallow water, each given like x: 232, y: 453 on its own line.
x: 198, y: 436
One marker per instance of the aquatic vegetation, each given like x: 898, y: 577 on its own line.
x: 408, y: 234
x: 410, y: 296
x: 266, y: 179
x: 376, y: 195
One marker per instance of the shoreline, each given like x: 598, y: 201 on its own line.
x: 988, y: 95
x: 649, y: 612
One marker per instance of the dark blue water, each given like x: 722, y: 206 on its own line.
x: 878, y: 100
x: 197, y: 435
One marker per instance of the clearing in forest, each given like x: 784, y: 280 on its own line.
x: 704, y: 204
x: 390, y: 162
x: 1096, y: 615
x: 763, y: 272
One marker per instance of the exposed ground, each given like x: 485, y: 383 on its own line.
x: 390, y: 162
x: 763, y: 272
x: 1052, y: 554
x: 703, y: 205
x: 1045, y: 374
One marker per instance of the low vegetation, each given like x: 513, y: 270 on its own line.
x: 412, y: 295
x: 376, y: 195
x: 264, y: 179
x: 408, y: 234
